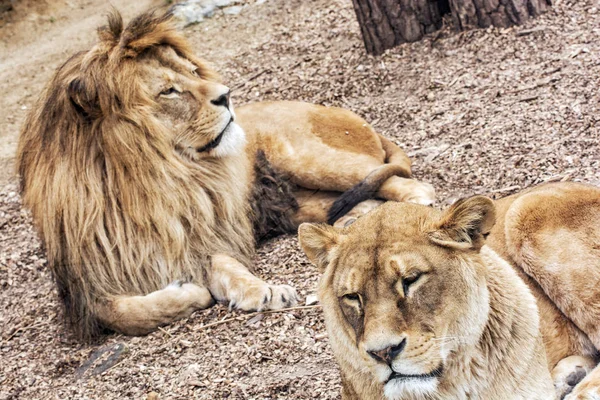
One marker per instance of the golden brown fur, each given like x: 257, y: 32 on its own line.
x: 467, y: 309
x: 550, y: 234
x: 139, y: 179
x: 121, y: 215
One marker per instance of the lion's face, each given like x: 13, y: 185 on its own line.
x: 403, y: 287
x: 194, y: 107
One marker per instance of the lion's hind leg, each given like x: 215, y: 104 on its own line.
x: 139, y: 315
x: 230, y: 281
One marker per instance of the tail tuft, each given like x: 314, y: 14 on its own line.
x: 350, y: 198
x: 364, y: 190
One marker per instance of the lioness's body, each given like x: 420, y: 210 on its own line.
x: 500, y: 337
x: 551, y: 236
x: 326, y: 148
x: 324, y: 151
x: 145, y: 188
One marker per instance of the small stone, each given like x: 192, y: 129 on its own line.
x: 152, y: 396
x: 311, y: 300
x: 233, y: 10
x: 190, y: 374
x: 224, y: 3
x: 255, y: 320
x: 193, y: 12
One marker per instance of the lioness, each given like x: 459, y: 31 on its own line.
x: 140, y: 179
x: 419, y: 305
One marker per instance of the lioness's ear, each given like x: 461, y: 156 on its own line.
x: 317, y: 241
x: 465, y: 224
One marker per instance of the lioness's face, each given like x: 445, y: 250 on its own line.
x: 403, y: 288
x: 193, y: 106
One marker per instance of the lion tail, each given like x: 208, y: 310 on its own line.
x: 397, y: 164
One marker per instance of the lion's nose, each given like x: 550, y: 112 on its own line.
x: 222, y: 100
x: 388, y: 354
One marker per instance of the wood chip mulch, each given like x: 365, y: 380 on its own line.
x: 480, y: 112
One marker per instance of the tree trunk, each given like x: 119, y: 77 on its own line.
x: 501, y: 13
x: 388, y: 23
x: 5, y: 5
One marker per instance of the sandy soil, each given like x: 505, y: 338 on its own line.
x: 487, y: 111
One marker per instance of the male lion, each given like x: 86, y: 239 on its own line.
x: 140, y: 180
x: 417, y: 307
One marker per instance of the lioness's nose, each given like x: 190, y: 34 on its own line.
x: 388, y: 354
x: 223, y: 99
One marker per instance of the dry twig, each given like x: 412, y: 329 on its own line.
x: 246, y: 316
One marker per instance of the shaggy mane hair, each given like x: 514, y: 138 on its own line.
x: 119, y: 211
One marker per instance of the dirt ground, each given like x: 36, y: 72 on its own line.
x: 481, y: 112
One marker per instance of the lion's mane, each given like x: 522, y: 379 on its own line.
x: 119, y: 211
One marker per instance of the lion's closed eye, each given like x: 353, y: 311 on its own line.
x: 170, y: 92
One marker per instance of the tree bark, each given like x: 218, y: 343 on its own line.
x: 5, y: 5
x: 388, y: 23
x: 501, y: 13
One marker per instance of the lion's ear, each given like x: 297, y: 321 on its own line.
x: 317, y: 241
x: 84, y: 98
x: 465, y: 224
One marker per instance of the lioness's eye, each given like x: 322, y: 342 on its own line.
x: 169, y: 92
x: 409, y: 280
x: 195, y: 72
x: 353, y: 297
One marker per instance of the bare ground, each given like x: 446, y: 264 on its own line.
x: 481, y: 112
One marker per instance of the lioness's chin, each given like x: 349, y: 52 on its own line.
x: 232, y: 143
x: 410, y: 388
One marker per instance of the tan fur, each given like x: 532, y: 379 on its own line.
x: 139, y: 179
x: 499, y: 328
x: 328, y: 149
x: 551, y: 235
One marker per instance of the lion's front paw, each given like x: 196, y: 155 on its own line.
x: 281, y: 296
x: 267, y: 297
